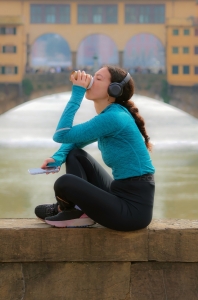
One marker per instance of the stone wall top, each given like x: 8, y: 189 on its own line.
x: 30, y: 240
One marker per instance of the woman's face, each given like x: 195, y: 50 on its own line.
x: 98, y: 91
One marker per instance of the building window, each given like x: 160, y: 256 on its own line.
x: 196, y: 49
x: 186, y: 32
x: 8, y: 70
x: 186, y: 70
x: 50, y: 14
x: 175, y: 31
x: 97, y: 14
x: 196, y: 31
x: 36, y: 13
x: 185, y: 50
x: 144, y: 14
x: 196, y: 70
x: 175, y: 50
x: 8, y: 30
x: 9, y: 49
x: 64, y: 14
x: 175, y: 69
x: 2, y: 30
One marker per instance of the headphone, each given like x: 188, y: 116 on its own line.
x: 115, y: 89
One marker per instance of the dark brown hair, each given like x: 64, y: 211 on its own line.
x: 117, y: 75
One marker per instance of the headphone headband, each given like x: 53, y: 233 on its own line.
x: 125, y: 80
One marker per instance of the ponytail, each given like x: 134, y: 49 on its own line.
x: 139, y: 122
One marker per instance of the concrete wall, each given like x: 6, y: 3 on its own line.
x: 12, y: 95
x: 9, y: 96
x: 185, y: 98
x: 39, y: 262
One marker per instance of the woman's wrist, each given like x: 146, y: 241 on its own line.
x: 78, y: 88
x: 78, y: 93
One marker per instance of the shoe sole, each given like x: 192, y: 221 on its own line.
x: 81, y: 222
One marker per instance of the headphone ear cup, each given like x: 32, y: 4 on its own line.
x: 115, y: 90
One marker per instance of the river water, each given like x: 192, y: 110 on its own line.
x: 25, y: 141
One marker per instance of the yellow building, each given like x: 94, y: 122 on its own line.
x: 182, y: 50
x: 140, y: 35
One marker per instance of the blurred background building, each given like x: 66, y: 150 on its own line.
x: 156, y: 36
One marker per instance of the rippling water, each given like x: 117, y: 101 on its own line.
x: 25, y: 141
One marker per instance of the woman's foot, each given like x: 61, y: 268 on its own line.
x: 70, y: 218
x: 46, y: 210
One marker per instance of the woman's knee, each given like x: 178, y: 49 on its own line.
x: 74, y: 153
x: 64, y: 182
x: 74, y: 163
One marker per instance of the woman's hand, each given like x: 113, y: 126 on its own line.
x: 82, y: 79
x: 46, y: 161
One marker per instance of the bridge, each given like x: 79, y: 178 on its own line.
x: 35, y: 85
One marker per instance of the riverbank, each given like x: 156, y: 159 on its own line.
x: 41, y: 262
x: 151, y: 85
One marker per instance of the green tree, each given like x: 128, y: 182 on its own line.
x: 27, y: 86
x: 164, y: 91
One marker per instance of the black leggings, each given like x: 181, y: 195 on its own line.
x: 124, y: 204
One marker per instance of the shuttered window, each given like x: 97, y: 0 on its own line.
x: 8, y: 30
x: 8, y: 70
x: 9, y: 49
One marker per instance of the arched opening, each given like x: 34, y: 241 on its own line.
x: 95, y: 51
x: 144, y: 53
x: 50, y: 52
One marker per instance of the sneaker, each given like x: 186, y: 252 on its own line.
x: 70, y: 218
x: 46, y: 210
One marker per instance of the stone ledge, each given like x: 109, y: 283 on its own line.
x: 159, y: 281
x: 173, y: 241
x: 65, y: 281
x: 39, y: 262
x: 30, y: 240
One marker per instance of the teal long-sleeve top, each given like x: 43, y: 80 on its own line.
x: 119, y: 139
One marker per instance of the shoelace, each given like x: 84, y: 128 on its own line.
x: 50, y: 210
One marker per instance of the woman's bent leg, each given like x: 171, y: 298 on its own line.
x: 88, y: 186
x: 83, y: 165
x: 103, y: 207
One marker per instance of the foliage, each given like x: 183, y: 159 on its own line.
x: 164, y: 91
x: 27, y: 86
